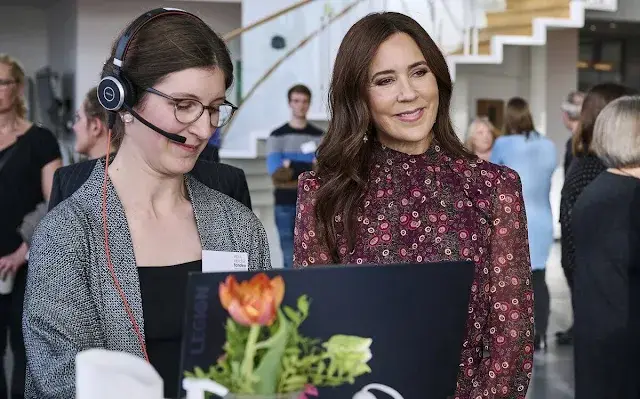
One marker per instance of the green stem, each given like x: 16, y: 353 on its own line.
x: 250, y: 351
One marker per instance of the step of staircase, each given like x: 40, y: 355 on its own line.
x: 518, y: 17
x: 529, y: 4
x: 515, y: 30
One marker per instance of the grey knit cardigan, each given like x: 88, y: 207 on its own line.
x: 71, y: 303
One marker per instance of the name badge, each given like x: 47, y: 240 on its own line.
x: 223, y: 261
x: 309, y: 147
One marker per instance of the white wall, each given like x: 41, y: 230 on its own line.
x: 23, y: 35
x: 500, y: 82
x: 628, y: 10
x: 562, y: 78
x: 100, y: 22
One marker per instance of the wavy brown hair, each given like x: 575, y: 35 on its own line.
x: 343, y: 156
x: 596, y: 99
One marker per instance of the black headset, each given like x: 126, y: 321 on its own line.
x: 115, y: 90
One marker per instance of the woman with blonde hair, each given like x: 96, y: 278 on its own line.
x: 606, y: 237
x: 29, y: 155
x: 481, y: 135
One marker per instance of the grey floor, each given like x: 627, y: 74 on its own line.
x: 553, y: 370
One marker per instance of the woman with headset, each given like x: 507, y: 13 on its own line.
x: 115, y: 276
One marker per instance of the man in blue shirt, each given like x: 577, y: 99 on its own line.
x: 290, y: 152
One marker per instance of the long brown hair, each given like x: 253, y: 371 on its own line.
x: 165, y: 45
x: 518, y: 119
x: 343, y: 156
x: 18, y: 75
x: 597, y: 98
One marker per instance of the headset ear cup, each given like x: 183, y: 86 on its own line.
x: 130, y: 97
x: 111, y: 93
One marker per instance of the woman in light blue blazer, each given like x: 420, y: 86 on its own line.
x: 533, y: 156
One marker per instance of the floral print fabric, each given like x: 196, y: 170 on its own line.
x: 431, y: 208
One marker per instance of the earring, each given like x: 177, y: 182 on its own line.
x: 126, y: 117
x: 365, y: 138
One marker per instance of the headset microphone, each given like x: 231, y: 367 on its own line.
x: 171, y: 136
x: 116, y: 93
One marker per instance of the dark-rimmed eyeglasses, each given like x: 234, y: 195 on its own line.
x: 189, y: 110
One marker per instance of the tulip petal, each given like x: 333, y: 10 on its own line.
x: 238, y: 314
x: 225, y: 296
x: 267, y: 312
x: 277, y: 286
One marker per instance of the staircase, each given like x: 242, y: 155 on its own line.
x: 310, y: 31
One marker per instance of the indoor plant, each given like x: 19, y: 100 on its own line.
x: 265, y: 356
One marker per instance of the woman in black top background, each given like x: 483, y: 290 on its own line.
x: 29, y: 156
x: 584, y: 167
x: 606, y: 226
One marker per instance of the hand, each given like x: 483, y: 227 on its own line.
x: 10, y: 264
x: 286, y: 163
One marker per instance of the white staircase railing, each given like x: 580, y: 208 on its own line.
x: 300, y: 46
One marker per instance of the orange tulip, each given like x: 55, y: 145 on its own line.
x: 252, y: 302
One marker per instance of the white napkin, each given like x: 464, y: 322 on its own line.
x: 104, y: 374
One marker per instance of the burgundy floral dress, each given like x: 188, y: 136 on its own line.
x: 430, y: 208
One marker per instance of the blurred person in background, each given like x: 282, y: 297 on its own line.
x: 29, y: 156
x: 480, y: 137
x: 212, y: 151
x: 570, y: 117
x: 291, y: 151
x: 533, y: 156
x: 585, y: 167
x: 606, y: 226
x: 90, y: 127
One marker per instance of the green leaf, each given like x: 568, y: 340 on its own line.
x: 292, y: 315
x: 270, y: 366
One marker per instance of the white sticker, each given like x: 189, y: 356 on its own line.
x: 223, y: 261
x: 309, y: 147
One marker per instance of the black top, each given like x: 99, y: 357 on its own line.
x: 225, y: 178
x: 582, y: 171
x: 606, y: 225
x: 568, y: 155
x: 163, y: 291
x: 21, y: 182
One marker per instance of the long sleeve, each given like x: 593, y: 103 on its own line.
x: 58, y: 309
x: 260, y: 255
x: 274, y: 155
x: 496, y: 152
x: 242, y: 192
x: 308, y: 248
x: 509, y: 330
x: 56, y: 195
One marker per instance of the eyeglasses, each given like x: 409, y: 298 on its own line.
x: 189, y: 110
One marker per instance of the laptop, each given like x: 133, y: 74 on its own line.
x: 415, y: 313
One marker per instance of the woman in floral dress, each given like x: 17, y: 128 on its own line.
x: 394, y: 184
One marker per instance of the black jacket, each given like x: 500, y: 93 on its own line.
x: 224, y: 178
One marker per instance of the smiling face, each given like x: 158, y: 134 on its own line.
x: 403, y: 95
x: 206, y: 85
